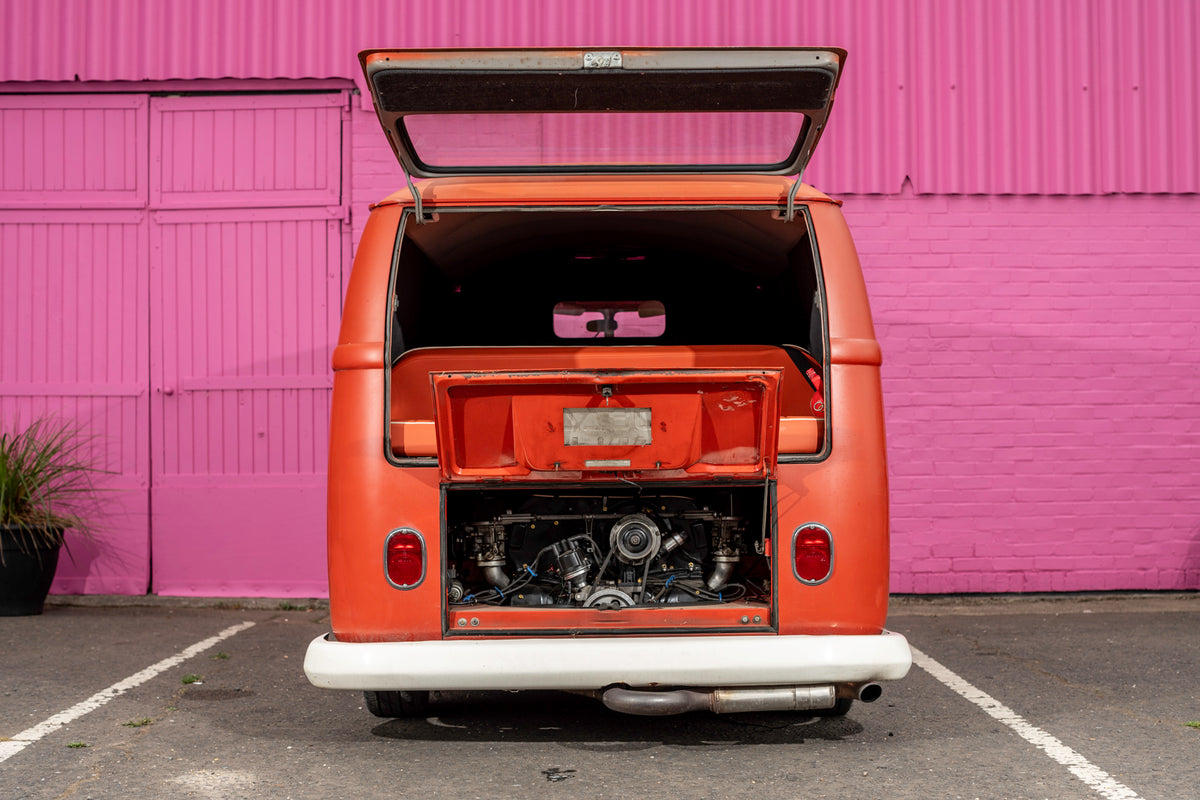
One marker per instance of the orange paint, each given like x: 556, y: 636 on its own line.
x: 608, y: 487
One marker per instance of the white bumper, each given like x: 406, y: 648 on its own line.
x: 593, y: 663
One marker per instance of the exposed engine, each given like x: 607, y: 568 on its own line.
x: 607, y: 549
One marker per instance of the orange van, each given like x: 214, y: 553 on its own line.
x: 606, y: 408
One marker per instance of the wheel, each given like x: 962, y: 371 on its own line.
x: 396, y: 704
x: 840, y: 708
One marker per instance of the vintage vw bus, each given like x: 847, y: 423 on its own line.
x: 606, y: 408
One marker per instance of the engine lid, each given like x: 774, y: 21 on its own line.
x: 576, y: 425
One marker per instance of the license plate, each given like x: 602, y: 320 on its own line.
x: 606, y: 427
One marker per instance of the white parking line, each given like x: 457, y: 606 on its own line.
x: 27, y: 737
x: 1080, y: 767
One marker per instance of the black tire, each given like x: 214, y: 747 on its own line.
x: 396, y: 704
x: 840, y: 708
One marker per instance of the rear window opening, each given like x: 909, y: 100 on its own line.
x: 497, y: 291
x: 695, y: 277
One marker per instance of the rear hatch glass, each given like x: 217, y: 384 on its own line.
x: 474, y: 112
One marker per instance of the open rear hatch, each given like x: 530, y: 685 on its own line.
x: 575, y: 111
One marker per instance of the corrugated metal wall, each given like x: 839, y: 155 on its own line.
x: 1024, y: 96
x: 1027, y: 96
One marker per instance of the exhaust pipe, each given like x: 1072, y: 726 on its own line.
x: 719, y: 701
x: 868, y: 692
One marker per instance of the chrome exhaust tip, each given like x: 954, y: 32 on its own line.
x: 868, y: 692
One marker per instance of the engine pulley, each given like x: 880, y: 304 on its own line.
x: 608, y: 598
x: 635, y: 538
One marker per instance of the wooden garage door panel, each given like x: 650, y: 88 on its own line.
x: 74, y: 315
x: 248, y: 316
x: 247, y: 151
x: 247, y: 245
x: 73, y: 151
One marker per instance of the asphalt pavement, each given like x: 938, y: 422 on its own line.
x: 1075, y: 696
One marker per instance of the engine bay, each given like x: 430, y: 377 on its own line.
x: 608, y: 548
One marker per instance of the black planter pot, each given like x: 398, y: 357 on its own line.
x: 25, y: 573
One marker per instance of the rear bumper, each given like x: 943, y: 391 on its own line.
x: 593, y: 663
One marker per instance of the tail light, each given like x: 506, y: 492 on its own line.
x: 404, y: 555
x: 812, y: 553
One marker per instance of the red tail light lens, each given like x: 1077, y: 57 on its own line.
x: 812, y: 553
x: 405, y: 557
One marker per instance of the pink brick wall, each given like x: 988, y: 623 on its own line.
x: 1041, y: 376
x: 1042, y: 381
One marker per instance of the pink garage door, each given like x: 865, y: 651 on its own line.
x: 73, y: 306
x: 247, y: 243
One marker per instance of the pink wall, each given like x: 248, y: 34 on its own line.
x: 1021, y: 178
x: 73, y: 307
x: 1025, y: 96
x: 1041, y: 370
x: 172, y: 282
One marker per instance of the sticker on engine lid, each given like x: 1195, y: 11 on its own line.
x: 606, y: 427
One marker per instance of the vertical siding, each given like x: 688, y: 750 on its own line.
x: 43, y: 156
x: 247, y: 251
x: 276, y: 151
x: 245, y: 300
x: 246, y: 272
x: 70, y: 311
x: 1027, y: 96
x: 73, y: 306
x: 1060, y: 97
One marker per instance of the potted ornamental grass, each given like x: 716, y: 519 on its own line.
x: 46, y: 487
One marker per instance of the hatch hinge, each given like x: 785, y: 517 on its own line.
x: 416, y: 198
x: 790, y: 214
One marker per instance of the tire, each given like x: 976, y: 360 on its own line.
x: 840, y: 708
x: 392, y: 704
